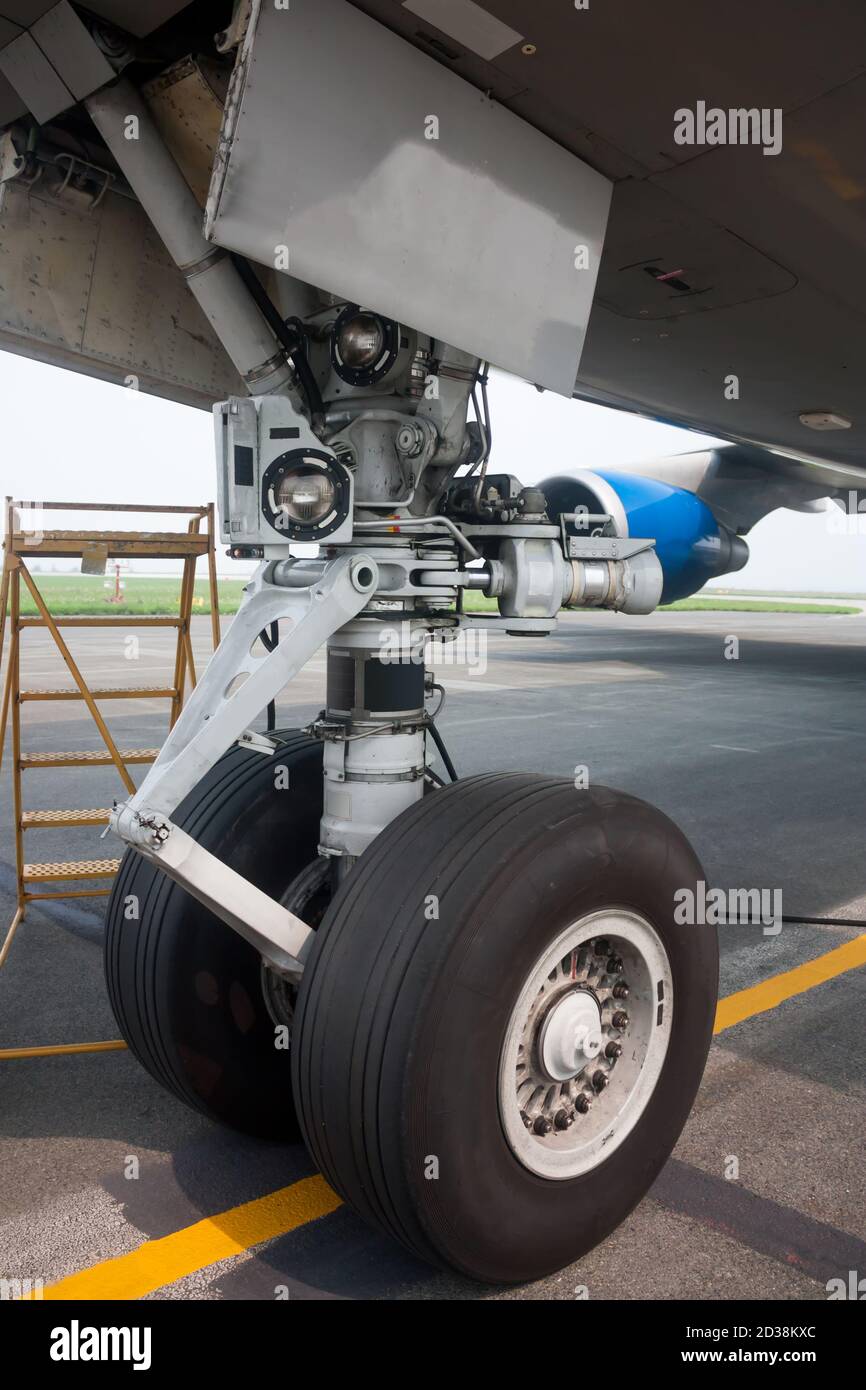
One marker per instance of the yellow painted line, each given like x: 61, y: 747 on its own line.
x: 9, y: 1054
x: 759, y: 999
x: 160, y: 1262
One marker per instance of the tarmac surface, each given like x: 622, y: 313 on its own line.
x: 759, y: 758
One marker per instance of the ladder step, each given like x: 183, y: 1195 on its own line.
x: 107, y: 692
x: 100, y: 757
x: 85, y: 868
x: 47, y: 820
x: 130, y: 620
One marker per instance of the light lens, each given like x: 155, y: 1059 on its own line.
x: 362, y: 342
x: 305, y: 496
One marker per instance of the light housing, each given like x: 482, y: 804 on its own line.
x: 306, y: 494
x: 364, y: 346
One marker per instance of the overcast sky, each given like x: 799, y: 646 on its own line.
x: 67, y: 437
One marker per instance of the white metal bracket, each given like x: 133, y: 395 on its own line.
x: 239, y: 681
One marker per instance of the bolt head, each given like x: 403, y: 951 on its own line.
x: 599, y: 1081
x: 583, y: 1105
x: 620, y: 991
x: 542, y: 1125
x: 620, y: 1020
x: 613, y: 1050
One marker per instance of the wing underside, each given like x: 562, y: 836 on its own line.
x: 719, y: 262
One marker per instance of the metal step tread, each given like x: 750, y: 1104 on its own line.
x: 124, y: 621
x: 83, y: 868
x: 102, y: 692
x: 35, y: 820
x: 99, y: 757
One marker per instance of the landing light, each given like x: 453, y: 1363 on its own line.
x: 305, y: 495
x: 361, y: 341
x: 364, y: 346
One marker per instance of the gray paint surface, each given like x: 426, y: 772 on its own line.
x: 474, y: 27
x: 33, y: 79
x: 470, y: 237
x: 772, y: 247
x: 95, y: 290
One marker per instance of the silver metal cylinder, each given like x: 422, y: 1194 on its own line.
x: 128, y: 130
x: 628, y: 586
x: 373, y: 732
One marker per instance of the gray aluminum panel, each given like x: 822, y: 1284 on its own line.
x: 71, y: 51
x: 25, y: 66
x: 95, y: 290
x: 137, y: 17
x: 468, y: 23
x: 470, y: 237
x: 24, y: 12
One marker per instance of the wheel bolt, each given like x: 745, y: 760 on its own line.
x: 582, y: 1105
x: 542, y: 1125
x: 602, y: 948
x: 614, y: 965
x: 620, y: 1020
x: 620, y: 991
x: 563, y: 1118
x: 527, y: 1119
x: 613, y: 1050
x: 599, y: 1080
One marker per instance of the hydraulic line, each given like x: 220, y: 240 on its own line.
x: 290, y: 337
x: 443, y: 751
x: 824, y: 922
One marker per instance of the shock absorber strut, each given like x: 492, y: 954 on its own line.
x: 373, y: 730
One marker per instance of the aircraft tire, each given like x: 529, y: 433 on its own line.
x: 458, y: 974
x: 190, y: 996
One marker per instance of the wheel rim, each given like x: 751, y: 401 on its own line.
x: 307, y: 895
x: 581, y: 1057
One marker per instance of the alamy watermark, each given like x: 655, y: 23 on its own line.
x: 467, y: 649
x: 740, y: 125
x: 847, y: 515
x: 77, y: 1343
x: 719, y: 907
x: 11, y: 1290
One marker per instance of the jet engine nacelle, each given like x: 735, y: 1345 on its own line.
x: 691, y: 545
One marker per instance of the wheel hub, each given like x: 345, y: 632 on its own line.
x: 571, y: 1035
x: 585, y: 1043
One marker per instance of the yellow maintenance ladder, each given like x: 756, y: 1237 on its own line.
x: 95, y: 549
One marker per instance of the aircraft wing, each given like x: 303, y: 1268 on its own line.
x: 730, y: 295
x: 767, y: 250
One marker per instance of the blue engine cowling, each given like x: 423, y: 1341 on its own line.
x: 692, y: 546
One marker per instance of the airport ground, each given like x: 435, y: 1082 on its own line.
x: 760, y: 758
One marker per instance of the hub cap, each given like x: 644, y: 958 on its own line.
x: 585, y: 1044
x: 570, y: 1035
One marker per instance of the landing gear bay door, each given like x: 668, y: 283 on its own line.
x: 355, y: 162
